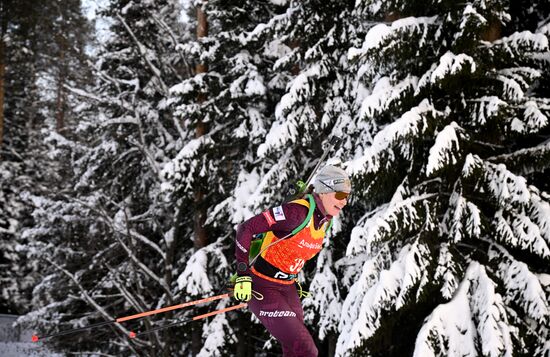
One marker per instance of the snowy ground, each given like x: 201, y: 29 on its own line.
x: 24, y: 349
x: 17, y: 343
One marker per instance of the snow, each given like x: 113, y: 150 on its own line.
x: 373, y: 39
x: 217, y: 333
x: 243, y: 205
x: 525, y: 39
x: 279, y: 2
x: 446, y: 272
x: 378, y: 33
x: 411, y: 123
x: 391, y: 290
x: 450, y: 328
x: 385, y: 93
x: 194, y: 279
x: 489, y: 107
x: 441, y: 153
x: 523, y: 287
x: 536, y: 120
x: 25, y: 349
x: 450, y: 64
x: 325, y: 299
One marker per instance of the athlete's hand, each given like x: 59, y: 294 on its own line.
x: 243, y: 288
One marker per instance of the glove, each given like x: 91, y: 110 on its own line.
x: 243, y: 289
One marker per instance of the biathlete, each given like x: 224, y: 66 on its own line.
x: 293, y: 233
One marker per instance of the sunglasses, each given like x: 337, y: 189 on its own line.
x: 339, y: 195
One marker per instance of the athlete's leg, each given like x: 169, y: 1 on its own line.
x: 281, y: 313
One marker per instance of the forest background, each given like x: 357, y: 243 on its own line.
x: 129, y: 155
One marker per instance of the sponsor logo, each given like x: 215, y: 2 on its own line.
x: 268, y: 218
x: 277, y: 313
x: 285, y: 276
x: 279, y: 213
x: 241, y: 247
x: 305, y: 244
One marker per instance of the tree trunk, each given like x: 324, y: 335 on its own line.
x: 62, y: 68
x: 492, y: 32
x: 332, y: 339
x: 201, y: 237
x: 3, y: 29
x: 2, y: 84
x: 60, y: 103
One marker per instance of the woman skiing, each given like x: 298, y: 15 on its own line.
x: 292, y: 234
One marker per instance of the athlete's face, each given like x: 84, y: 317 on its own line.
x: 333, y: 203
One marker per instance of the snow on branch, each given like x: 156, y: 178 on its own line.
x: 462, y: 219
x: 533, y: 120
x: 261, y: 30
x: 443, y: 152
x: 194, y: 280
x: 144, y: 267
x: 447, y: 271
x: 523, y: 287
x: 450, y: 330
x: 145, y: 55
x: 391, y: 291
x: 525, y: 41
x: 398, y: 218
x: 127, y: 119
x: 249, y: 84
x: 411, y: 124
x: 539, y: 213
x: 325, y: 300
x: 184, y: 168
x: 247, y: 197
x: 450, y: 64
x: 370, y: 271
x: 487, y: 305
x: 508, y: 189
x: 487, y: 108
x: 526, y: 161
x: 518, y: 231
x: 292, y: 112
x: 385, y: 94
x: 472, y: 164
x: 381, y: 34
x: 523, y: 218
x: 86, y: 297
x: 512, y: 89
x: 217, y: 334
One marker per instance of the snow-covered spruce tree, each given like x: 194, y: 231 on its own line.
x: 109, y: 241
x: 451, y: 256
x: 25, y: 57
x: 18, y: 113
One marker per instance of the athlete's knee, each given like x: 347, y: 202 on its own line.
x: 301, y: 347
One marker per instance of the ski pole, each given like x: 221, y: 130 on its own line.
x: 181, y: 322
x: 36, y: 338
